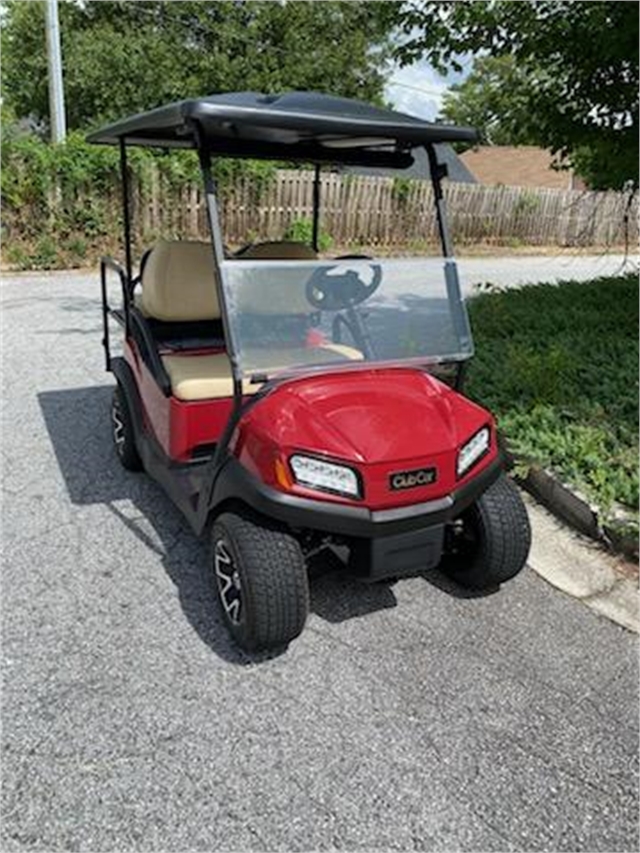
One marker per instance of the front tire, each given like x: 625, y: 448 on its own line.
x: 491, y: 540
x: 260, y: 576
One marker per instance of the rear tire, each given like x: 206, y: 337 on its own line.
x: 261, y: 580
x: 122, y: 431
x: 492, y: 542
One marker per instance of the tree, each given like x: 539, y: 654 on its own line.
x: 493, y: 99
x: 578, y: 61
x: 124, y: 57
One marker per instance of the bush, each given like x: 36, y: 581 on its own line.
x: 558, y: 365
x: 61, y: 203
x: 301, y: 231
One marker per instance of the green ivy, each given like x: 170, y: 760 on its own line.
x: 558, y: 366
x: 69, y: 193
x: 401, y: 189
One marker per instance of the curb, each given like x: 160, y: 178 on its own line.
x: 567, y: 504
x: 581, y: 569
x: 563, y: 502
x: 572, y: 507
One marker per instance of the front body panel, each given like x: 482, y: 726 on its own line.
x: 379, y: 422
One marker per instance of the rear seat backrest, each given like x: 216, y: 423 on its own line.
x: 178, y: 282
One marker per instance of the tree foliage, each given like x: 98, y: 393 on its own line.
x: 494, y: 99
x: 576, y: 66
x: 123, y: 57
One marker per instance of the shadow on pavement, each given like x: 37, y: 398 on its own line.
x: 438, y: 579
x: 337, y: 596
x: 77, y: 421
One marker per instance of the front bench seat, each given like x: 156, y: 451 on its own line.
x: 277, y: 250
x: 178, y: 285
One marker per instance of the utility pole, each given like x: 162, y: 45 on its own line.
x: 56, y: 91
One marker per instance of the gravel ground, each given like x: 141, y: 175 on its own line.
x: 407, y: 716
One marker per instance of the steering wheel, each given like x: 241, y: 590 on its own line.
x: 337, y: 287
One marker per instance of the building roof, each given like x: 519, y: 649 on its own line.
x: 294, y: 126
x: 516, y: 166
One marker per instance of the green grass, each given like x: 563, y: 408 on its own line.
x: 558, y: 366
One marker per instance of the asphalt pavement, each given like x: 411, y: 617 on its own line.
x: 520, y: 270
x: 407, y: 716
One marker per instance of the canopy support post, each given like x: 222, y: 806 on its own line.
x: 438, y: 172
x: 126, y: 201
x: 204, y: 155
x: 316, y: 208
x: 212, y: 208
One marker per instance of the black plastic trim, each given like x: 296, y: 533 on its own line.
x: 144, y: 339
x: 235, y: 482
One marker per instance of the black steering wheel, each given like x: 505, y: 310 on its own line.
x: 329, y: 292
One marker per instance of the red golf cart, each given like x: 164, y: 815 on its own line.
x: 289, y: 403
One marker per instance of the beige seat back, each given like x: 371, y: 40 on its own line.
x: 279, y: 250
x: 284, y: 293
x: 178, y: 282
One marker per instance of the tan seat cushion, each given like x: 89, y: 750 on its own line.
x: 179, y: 282
x: 202, y: 377
x: 208, y: 377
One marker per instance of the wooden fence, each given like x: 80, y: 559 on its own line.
x: 393, y: 213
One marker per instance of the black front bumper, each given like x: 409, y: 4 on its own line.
x: 235, y: 482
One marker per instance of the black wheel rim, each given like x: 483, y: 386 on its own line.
x: 228, y: 580
x: 118, y: 428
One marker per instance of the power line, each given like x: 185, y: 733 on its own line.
x: 434, y: 93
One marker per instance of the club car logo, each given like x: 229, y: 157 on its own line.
x: 412, y: 479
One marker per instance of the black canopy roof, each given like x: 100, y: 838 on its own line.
x: 421, y: 169
x: 293, y: 126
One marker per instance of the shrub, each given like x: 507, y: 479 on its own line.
x: 558, y: 366
x: 71, y: 193
x: 301, y: 231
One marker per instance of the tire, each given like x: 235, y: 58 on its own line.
x: 261, y: 580
x: 492, y: 540
x: 123, y: 433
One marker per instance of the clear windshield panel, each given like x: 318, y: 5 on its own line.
x: 287, y: 315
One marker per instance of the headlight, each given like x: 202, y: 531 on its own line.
x: 325, y: 476
x: 473, y: 450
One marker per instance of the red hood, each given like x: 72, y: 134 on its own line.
x: 368, y: 417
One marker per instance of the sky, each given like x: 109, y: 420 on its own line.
x: 417, y: 89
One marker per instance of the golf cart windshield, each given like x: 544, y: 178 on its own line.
x: 298, y: 315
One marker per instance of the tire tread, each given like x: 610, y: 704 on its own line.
x: 129, y: 458
x: 274, y: 579
x: 505, y: 539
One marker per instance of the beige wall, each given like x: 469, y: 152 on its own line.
x: 518, y: 166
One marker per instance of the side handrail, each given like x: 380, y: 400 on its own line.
x: 133, y: 322
x: 107, y: 263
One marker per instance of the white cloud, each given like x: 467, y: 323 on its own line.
x: 418, y: 89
